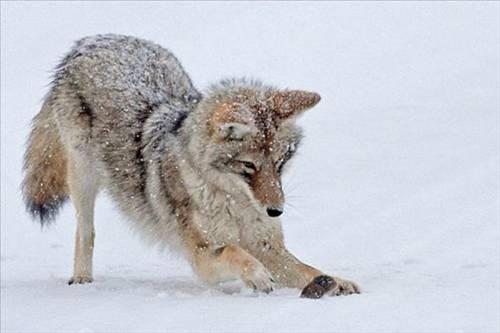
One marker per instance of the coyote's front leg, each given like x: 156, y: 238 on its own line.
x: 218, y: 264
x: 292, y: 273
x: 266, y: 243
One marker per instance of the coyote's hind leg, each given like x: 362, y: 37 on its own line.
x: 83, y: 188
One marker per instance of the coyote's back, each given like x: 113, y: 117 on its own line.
x: 102, y: 93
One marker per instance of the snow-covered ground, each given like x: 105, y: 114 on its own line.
x: 395, y: 187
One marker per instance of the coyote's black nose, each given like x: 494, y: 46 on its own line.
x: 274, y: 212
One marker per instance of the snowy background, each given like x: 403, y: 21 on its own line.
x: 396, y: 185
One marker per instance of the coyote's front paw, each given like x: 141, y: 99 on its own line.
x: 333, y: 286
x: 80, y: 280
x: 258, y: 278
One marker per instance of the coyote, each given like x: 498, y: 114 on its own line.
x: 200, y: 173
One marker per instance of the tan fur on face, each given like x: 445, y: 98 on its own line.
x: 266, y: 186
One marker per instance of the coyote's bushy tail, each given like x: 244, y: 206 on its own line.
x: 44, y: 185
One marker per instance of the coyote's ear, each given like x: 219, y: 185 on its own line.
x: 235, y: 131
x: 290, y: 103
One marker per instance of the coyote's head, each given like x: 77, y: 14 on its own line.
x: 243, y: 136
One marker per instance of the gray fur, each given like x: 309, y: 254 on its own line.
x: 122, y: 82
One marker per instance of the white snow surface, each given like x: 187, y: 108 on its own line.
x: 396, y: 185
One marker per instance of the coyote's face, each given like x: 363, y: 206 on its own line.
x: 250, y: 135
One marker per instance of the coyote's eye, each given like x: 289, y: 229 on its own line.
x: 248, y: 165
x: 247, y: 170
